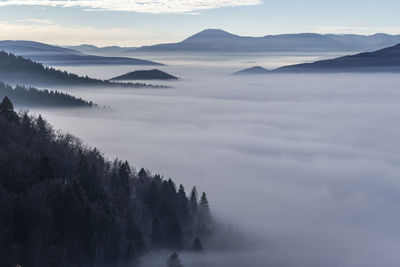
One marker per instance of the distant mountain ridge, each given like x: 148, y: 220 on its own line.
x: 383, y: 60
x: 95, y: 50
x: 55, y: 55
x: 217, y: 40
x: 252, y: 70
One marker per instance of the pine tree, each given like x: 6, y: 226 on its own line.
x: 153, y: 197
x: 193, y: 201
x: 142, y: 174
x: 121, y: 186
x: 156, y: 234
x: 45, y: 170
x: 204, y: 208
x: 183, y: 205
x: 136, y: 244
x: 43, y: 128
x: 7, y: 110
x: 174, y: 261
x: 204, y: 222
x: 197, y: 245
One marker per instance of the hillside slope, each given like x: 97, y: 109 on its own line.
x: 19, y: 70
x: 384, y: 60
x: 55, y: 55
x: 64, y: 204
x: 27, y: 97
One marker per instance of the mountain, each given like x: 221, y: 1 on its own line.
x: 55, y: 55
x: 384, y: 60
x: 145, y: 75
x: 216, y: 40
x: 28, y: 97
x: 107, y: 50
x: 252, y: 70
x: 366, y: 43
x: 65, y: 204
x: 19, y: 70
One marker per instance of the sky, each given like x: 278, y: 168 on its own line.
x: 145, y: 22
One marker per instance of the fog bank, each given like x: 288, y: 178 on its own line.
x: 306, y: 165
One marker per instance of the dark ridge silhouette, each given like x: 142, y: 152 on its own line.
x: 384, y: 60
x: 145, y: 75
x: 55, y: 55
x: 20, y: 70
x: 216, y: 40
x: 65, y: 204
x: 252, y: 70
x: 94, y: 50
x: 31, y: 97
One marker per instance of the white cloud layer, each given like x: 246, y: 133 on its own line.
x: 309, y: 163
x: 356, y: 30
x: 142, y: 6
x: 49, y: 32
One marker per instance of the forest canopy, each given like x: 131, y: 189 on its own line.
x: 33, y: 97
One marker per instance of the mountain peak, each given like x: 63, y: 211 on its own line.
x: 211, y: 33
x: 252, y: 70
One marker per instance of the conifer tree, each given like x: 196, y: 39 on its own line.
x: 7, y: 110
x: 45, y: 170
x: 193, y: 201
x: 204, y: 207
x: 142, y: 174
x: 174, y: 261
x: 153, y: 197
x: 43, y: 128
x: 204, y: 223
x: 197, y: 245
x: 136, y: 244
x: 183, y: 205
x: 156, y: 234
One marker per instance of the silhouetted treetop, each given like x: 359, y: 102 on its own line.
x: 174, y: 261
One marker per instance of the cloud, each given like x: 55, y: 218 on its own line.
x: 32, y: 21
x: 357, y: 30
x: 142, y: 6
x: 49, y: 32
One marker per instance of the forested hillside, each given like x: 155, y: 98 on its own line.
x: 65, y: 204
x: 32, y: 97
x: 17, y: 69
x: 145, y: 75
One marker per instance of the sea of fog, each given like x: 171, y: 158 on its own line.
x: 307, y: 166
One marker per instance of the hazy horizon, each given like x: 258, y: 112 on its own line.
x: 43, y: 40
x: 137, y: 23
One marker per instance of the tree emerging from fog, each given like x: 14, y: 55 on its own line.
x: 174, y: 261
x: 32, y: 97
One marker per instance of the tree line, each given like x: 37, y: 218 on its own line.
x: 30, y: 96
x: 17, y: 69
x: 64, y: 204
